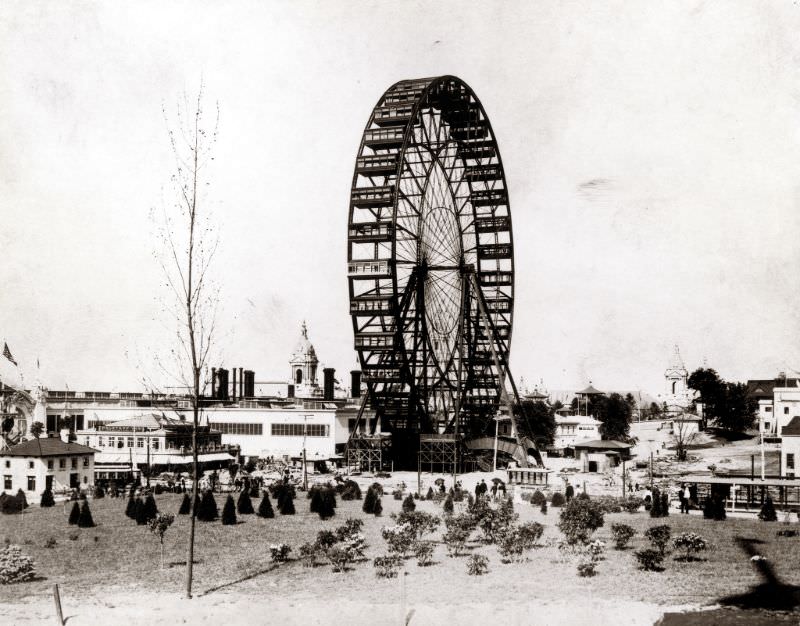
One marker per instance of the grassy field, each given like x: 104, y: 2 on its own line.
x: 118, y: 556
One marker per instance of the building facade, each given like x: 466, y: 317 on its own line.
x: 46, y: 463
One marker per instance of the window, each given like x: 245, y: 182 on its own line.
x: 140, y: 442
x: 31, y: 483
x: 790, y: 461
x: 786, y: 410
x: 8, y: 463
x: 112, y: 442
x: 50, y: 464
x: 6, y: 482
x: 244, y: 428
x: 86, y: 461
x: 155, y: 444
x: 768, y: 409
x: 62, y: 463
x: 766, y: 425
x: 100, y: 442
x: 74, y: 463
x: 298, y: 377
x: 30, y: 464
x: 130, y: 442
x: 296, y: 430
x: 86, y: 440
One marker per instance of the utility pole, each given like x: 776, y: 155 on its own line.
x: 305, y: 472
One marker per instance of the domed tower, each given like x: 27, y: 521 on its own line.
x: 303, y: 364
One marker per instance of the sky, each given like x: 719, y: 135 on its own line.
x: 651, y: 152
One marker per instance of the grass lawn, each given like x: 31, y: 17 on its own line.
x: 119, y: 556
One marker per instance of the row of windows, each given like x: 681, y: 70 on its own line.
x: 62, y: 463
x: 296, y: 430
x: 230, y: 428
x: 124, y: 442
x: 9, y: 486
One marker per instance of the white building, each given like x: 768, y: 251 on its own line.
x: 46, y: 463
x: 677, y: 396
x: 571, y: 429
x: 790, y: 448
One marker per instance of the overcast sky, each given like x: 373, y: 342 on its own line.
x: 651, y: 152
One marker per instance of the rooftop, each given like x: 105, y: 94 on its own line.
x: 47, y: 446
x: 792, y: 428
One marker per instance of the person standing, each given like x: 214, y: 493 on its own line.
x: 686, y: 499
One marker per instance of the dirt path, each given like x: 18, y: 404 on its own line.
x: 232, y: 608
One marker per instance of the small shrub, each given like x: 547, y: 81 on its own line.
x: 150, y: 508
x: 447, y: 507
x: 351, y: 490
x: 408, y: 504
x: 569, y: 494
x: 665, y: 504
x: 655, y: 507
x: 186, y: 505
x: 350, y: 528
x: 386, y: 566
x: 158, y: 489
x: 477, y: 565
x: 73, y: 536
x: 530, y: 533
x: 325, y: 539
x: 429, y: 495
x: 74, y: 514
x: 377, y: 488
x: 659, y: 536
x: 420, y: 522
x: 622, y: 534
x: 587, y: 567
x: 85, y: 518
x: 459, y: 528
x: 691, y: 544
x: 265, y: 508
x: 610, y: 504
x: 229, y: 512
x: 649, y: 560
x: 369, y: 501
x: 537, y: 498
x: 633, y: 504
x: 207, y: 511
x: 714, y: 508
x: 50, y: 543
x: 15, y: 567
x: 244, y: 505
x: 47, y: 499
x: 308, y: 554
x: 596, y: 549
x: 130, y: 509
x: 279, y: 553
x: 339, y: 558
x: 398, y: 538
x: 558, y: 499
x: 767, y: 513
x: 579, y: 519
x: 287, y: 504
x: 423, y: 550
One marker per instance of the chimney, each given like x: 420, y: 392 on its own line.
x: 213, y: 382
x: 355, y: 383
x: 241, y: 383
x: 327, y: 374
x: 249, y: 384
x: 233, y: 386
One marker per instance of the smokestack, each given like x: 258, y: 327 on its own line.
x: 233, y: 386
x: 241, y: 383
x: 213, y: 382
x: 355, y: 383
x: 290, y: 391
x: 327, y: 374
x: 249, y: 384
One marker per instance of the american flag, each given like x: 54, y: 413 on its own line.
x: 7, y: 353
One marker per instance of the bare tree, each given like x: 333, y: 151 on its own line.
x: 189, y: 241
x: 683, y: 434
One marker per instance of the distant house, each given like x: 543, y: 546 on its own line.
x: 46, y: 463
x: 571, y: 429
x: 601, y: 455
x: 790, y: 448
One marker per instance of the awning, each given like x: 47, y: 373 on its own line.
x: 177, y: 459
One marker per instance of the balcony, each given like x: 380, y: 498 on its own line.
x: 372, y: 196
x: 488, y: 197
x: 371, y: 305
x: 370, y: 232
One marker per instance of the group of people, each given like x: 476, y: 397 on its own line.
x: 498, y: 487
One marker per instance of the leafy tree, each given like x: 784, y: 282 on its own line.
x: 158, y: 526
x: 683, y: 434
x: 85, y: 517
x: 579, y: 519
x: 229, y: 512
x: 37, y: 428
x: 287, y: 507
x: 265, y: 508
x: 615, y: 415
x: 74, y: 514
x: 538, y: 421
x: 244, y: 505
x: 726, y: 404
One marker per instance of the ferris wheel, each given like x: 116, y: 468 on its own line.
x: 431, y: 261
